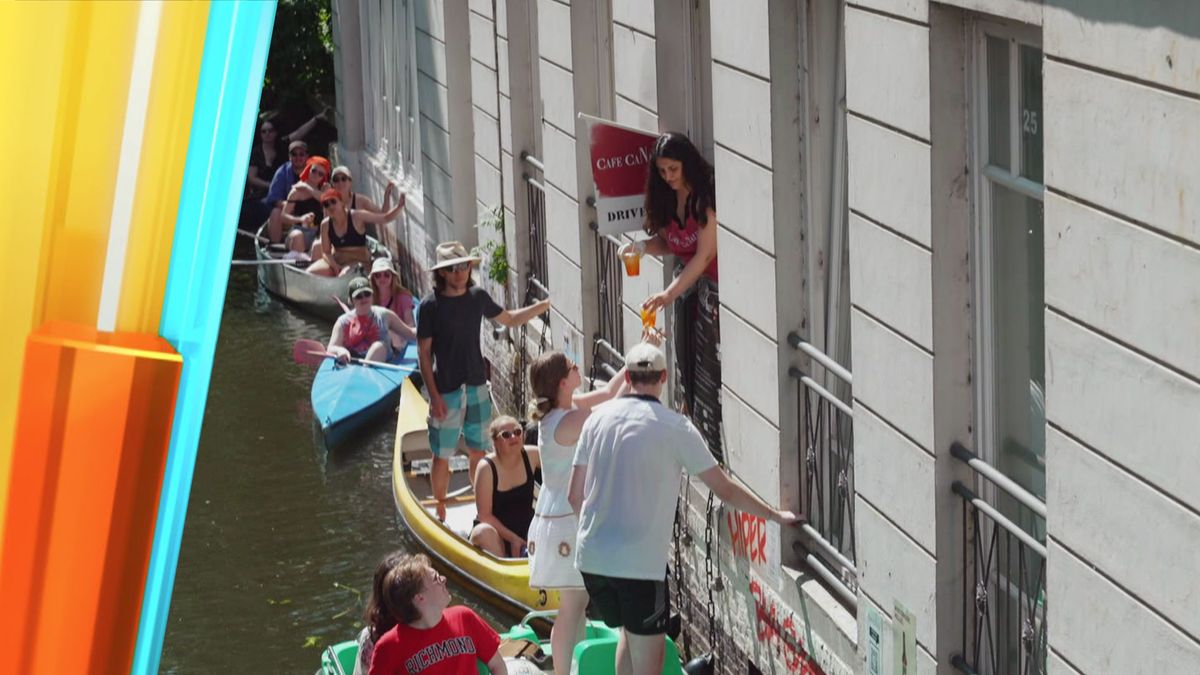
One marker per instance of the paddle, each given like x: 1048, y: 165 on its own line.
x: 312, y: 353
x: 248, y: 233
x: 272, y: 261
x: 344, y: 306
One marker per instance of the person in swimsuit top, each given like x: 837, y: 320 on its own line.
x: 504, y: 491
x: 560, y: 411
x: 392, y: 294
x: 344, y: 235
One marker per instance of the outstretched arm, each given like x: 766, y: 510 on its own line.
x: 376, y: 218
x: 519, y: 317
x: 734, y: 494
x: 302, y: 130
x: 706, y: 251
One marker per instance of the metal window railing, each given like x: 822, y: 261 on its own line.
x: 826, y: 425
x: 1004, y: 590
x: 610, y: 327
x: 536, y: 193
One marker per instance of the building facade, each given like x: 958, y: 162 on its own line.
x: 959, y: 304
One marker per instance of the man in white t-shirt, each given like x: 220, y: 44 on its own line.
x: 627, y: 462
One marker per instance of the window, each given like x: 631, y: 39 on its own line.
x: 1011, y: 371
x: 1004, y: 587
x: 390, y: 111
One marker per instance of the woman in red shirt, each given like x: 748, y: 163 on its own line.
x: 681, y: 219
x: 430, y: 637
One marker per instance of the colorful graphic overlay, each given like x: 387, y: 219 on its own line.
x: 132, y: 122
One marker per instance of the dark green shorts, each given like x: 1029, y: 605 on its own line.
x: 639, y: 606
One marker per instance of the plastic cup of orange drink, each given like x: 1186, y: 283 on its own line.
x: 649, y: 318
x: 633, y: 261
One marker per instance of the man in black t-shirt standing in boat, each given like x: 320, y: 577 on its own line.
x: 448, y: 324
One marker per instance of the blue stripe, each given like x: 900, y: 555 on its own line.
x: 223, y: 125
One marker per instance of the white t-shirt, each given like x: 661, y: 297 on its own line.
x: 634, y: 448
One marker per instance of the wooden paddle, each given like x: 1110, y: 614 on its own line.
x: 312, y: 353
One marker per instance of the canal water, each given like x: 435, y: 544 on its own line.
x: 281, y: 536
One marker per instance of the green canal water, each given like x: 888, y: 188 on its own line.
x: 281, y: 536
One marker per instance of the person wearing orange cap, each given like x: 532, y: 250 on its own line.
x: 344, y: 235
x: 304, y: 204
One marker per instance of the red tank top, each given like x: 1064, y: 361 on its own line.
x: 683, y: 242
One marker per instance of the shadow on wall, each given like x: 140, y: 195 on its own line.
x: 1177, y: 16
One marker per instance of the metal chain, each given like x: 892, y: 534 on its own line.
x: 676, y: 535
x: 708, y: 577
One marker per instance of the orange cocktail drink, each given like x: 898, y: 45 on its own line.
x: 633, y: 261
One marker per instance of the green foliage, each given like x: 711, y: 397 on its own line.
x: 495, y: 255
x: 300, y: 64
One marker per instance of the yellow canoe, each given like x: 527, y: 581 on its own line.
x: 504, y: 581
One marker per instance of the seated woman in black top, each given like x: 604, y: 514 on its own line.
x: 504, y: 491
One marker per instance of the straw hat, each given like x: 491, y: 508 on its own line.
x: 452, y: 253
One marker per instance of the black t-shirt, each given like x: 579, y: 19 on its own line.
x: 453, y: 323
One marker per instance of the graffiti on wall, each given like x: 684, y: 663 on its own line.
x: 747, y: 536
x: 777, y: 628
x: 755, y: 541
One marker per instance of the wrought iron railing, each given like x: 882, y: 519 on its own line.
x: 1004, y: 587
x: 610, y: 327
x: 826, y: 426
x: 535, y: 192
x: 698, y: 362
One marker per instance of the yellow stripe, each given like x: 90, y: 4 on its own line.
x: 67, y: 79
x: 164, y: 149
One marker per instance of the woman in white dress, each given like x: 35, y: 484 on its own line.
x: 560, y: 413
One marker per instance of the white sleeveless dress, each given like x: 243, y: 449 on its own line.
x: 552, y: 532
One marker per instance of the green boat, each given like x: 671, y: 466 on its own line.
x: 596, y: 654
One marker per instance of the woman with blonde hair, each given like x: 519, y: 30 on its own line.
x: 391, y: 294
x: 560, y: 413
x: 504, y: 491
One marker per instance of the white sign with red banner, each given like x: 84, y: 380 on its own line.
x: 620, y: 158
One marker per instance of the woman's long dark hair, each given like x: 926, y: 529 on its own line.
x: 376, y: 614
x: 697, y: 172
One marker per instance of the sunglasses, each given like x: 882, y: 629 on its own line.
x: 509, y: 434
x: 330, y: 203
x: 460, y: 267
x: 340, y: 178
x: 362, y: 294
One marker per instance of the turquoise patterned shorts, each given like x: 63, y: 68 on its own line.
x: 469, y: 410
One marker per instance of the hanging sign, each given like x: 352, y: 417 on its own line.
x: 904, y: 641
x: 874, y: 641
x: 620, y: 158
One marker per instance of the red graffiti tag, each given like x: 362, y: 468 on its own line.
x: 780, y: 635
x: 747, y: 536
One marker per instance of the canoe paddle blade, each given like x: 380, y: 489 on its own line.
x: 309, y: 352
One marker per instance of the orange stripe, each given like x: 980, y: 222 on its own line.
x: 42, y: 412
x: 87, y: 473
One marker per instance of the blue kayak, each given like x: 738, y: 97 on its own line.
x: 344, y: 398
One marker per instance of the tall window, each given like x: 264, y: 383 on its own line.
x: 1011, y: 367
x: 390, y: 66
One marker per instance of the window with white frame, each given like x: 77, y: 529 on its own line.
x: 1011, y: 370
x: 390, y: 110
